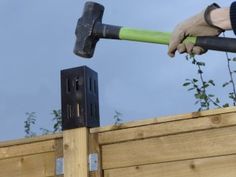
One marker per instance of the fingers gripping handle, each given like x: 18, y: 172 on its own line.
x: 217, y: 43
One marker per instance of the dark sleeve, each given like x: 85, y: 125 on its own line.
x: 233, y: 16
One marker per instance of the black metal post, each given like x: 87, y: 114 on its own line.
x: 79, y: 98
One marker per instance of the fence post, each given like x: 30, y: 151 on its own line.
x: 75, y: 145
x: 80, y: 111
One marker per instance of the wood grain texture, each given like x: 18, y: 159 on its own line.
x: 158, y: 120
x: 95, y: 148
x: 75, y: 143
x: 30, y: 140
x: 192, y: 145
x: 40, y: 165
x: 167, y: 128
x: 223, y: 166
x: 59, y: 148
x: 27, y: 149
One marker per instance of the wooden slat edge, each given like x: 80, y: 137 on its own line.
x: 27, y: 149
x: 206, y: 167
x: 168, y: 128
x: 164, y: 119
x: 30, y: 140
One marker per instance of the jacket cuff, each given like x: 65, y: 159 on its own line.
x: 233, y: 16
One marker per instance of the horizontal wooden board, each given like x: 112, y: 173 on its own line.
x: 40, y: 165
x: 167, y: 128
x: 157, y: 120
x: 200, y: 144
x: 30, y: 140
x: 27, y: 149
x: 223, y: 166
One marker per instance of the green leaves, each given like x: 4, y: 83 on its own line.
x: 117, y: 118
x: 212, y: 82
x: 233, y: 59
x: 186, y: 84
x: 200, y: 63
x: 226, y: 105
x: 225, y: 84
x: 232, y: 95
x: 200, y: 71
x: 205, y: 85
x: 199, y: 86
x: 57, y: 120
x: 30, y: 121
x: 201, y: 96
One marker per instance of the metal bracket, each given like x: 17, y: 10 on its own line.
x: 60, y: 166
x: 93, y: 162
x: 79, y: 98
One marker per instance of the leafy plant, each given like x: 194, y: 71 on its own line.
x: 232, y: 94
x: 45, y: 131
x: 200, y: 85
x: 30, y: 120
x: 57, y: 120
x: 117, y: 118
x: 57, y: 123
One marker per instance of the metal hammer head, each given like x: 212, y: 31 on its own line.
x: 85, y: 40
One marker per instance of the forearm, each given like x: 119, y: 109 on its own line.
x: 221, y: 18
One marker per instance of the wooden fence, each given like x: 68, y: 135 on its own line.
x: 201, y: 144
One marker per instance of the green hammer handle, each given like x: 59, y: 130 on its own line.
x: 211, y: 43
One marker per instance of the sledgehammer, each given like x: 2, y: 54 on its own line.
x: 90, y: 29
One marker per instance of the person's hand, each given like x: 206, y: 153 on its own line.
x: 198, y: 25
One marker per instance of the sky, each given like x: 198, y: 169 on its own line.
x: 137, y: 79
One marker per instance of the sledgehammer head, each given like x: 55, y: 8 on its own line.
x: 85, y: 39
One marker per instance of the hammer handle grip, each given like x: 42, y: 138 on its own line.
x: 207, y: 42
x: 217, y: 43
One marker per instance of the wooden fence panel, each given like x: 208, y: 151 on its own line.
x: 30, y: 157
x: 39, y: 165
x: 201, y: 144
x: 222, y: 166
x: 215, y: 142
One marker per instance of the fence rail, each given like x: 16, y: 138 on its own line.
x: 193, y: 145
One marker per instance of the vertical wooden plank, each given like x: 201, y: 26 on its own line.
x: 59, y: 147
x: 75, y: 143
x: 94, y: 148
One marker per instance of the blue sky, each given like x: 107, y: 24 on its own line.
x: 136, y: 79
